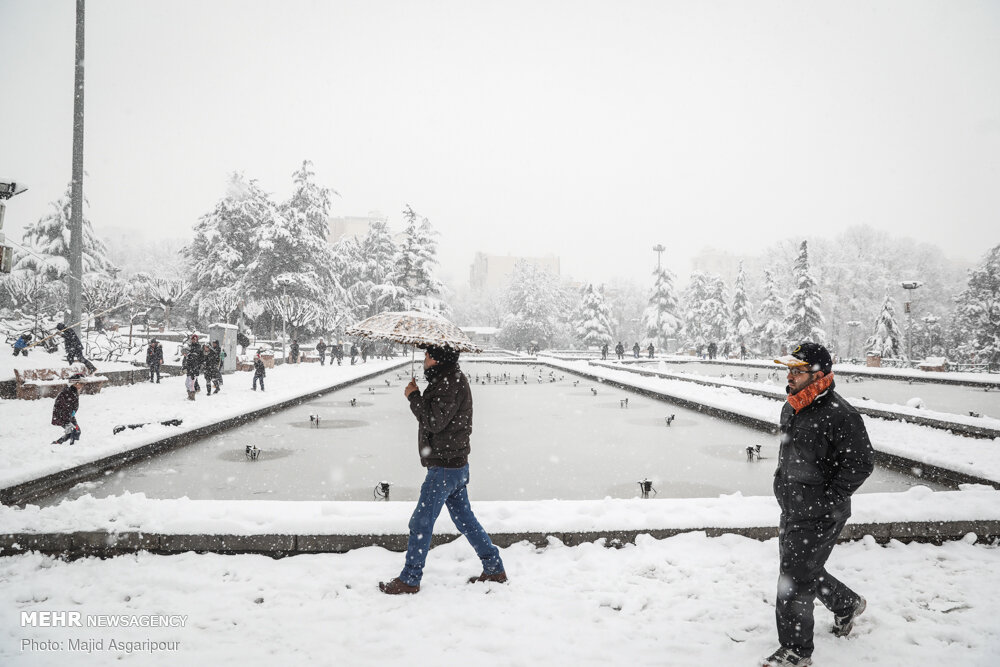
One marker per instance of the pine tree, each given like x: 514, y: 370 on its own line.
x: 977, y: 313
x: 741, y: 328
x: 660, y: 317
x: 771, y: 326
x: 49, y: 239
x: 535, y: 302
x: 887, y: 338
x: 805, y: 318
x: 593, y: 327
x: 365, y: 267
x: 293, y: 257
x: 714, y: 313
x: 225, y: 242
x: 417, y: 287
x: 695, y: 333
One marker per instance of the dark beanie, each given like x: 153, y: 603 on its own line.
x: 443, y: 355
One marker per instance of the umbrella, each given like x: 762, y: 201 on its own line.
x: 415, y: 328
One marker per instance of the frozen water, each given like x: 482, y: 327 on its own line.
x: 554, y: 438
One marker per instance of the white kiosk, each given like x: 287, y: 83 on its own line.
x: 226, y: 335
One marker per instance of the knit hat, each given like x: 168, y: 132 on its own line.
x: 443, y: 355
x: 809, y: 354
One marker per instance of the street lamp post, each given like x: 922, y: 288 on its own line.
x: 658, y: 249
x: 909, y: 286
x: 929, y: 322
x: 853, y: 324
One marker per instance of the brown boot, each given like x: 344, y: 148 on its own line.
x: 397, y: 587
x: 499, y: 577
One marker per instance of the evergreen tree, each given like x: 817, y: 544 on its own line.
x: 696, y: 293
x: 660, y: 317
x: 741, y: 328
x: 771, y: 326
x: 977, y: 315
x: 535, y: 302
x: 225, y: 242
x: 49, y: 239
x: 292, y: 255
x: 367, y: 271
x: 805, y: 320
x: 714, y: 313
x: 412, y: 277
x: 593, y: 326
x: 887, y: 338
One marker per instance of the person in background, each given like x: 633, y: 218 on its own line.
x: 258, y: 372
x: 444, y: 419
x: 194, y: 358
x: 73, y: 346
x: 21, y: 344
x: 604, y: 351
x: 824, y: 457
x: 650, y: 350
x: 293, y: 351
x: 154, y: 359
x: 636, y: 350
x: 212, y: 367
x: 321, y: 349
x: 64, y: 410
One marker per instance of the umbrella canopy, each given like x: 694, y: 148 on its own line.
x: 411, y: 327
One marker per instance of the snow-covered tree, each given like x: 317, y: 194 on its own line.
x: 695, y: 294
x: 101, y: 293
x: 593, y: 326
x: 714, y: 313
x: 805, y: 319
x: 741, y: 327
x: 771, y: 326
x: 292, y: 253
x: 887, y: 338
x: 413, y: 269
x: 365, y: 267
x: 295, y: 312
x: 660, y: 318
x: 48, y: 241
x: 977, y: 314
x: 535, y: 302
x: 168, y: 294
x: 225, y: 242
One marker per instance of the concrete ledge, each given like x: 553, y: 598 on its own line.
x: 107, y: 545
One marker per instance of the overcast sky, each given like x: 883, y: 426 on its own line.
x: 590, y: 130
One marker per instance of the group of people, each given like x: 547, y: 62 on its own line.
x: 200, y: 358
x: 620, y: 350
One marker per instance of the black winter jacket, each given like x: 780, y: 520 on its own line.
x: 194, y: 359
x: 154, y: 355
x: 66, y: 405
x: 825, y: 456
x: 444, y: 415
x: 71, y: 341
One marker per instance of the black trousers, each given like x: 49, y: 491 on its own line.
x: 154, y: 369
x: 255, y: 379
x: 77, y: 355
x: 804, y: 547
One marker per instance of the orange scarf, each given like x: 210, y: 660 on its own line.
x: 809, y: 394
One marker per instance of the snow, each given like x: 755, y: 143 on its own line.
x: 685, y: 600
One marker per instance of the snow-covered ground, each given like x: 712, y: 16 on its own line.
x: 686, y: 600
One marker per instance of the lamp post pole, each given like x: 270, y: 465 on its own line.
x: 75, y: 283
x: 909, y: 286
x: 658, y: 249
x: 853, y: 325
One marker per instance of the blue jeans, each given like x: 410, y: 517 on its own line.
x: 445, y: 487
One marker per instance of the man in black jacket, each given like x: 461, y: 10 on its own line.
x: 824, y: 456
x: 444, y: 418
x: 154, y: 359
x: 73, y: 347
x: 64, y: 410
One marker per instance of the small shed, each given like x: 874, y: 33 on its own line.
x: 939, y: 364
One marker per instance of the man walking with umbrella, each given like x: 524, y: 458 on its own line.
x: 444, y: 418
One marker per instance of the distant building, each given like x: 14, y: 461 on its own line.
x: 354, y: 226
x: 493, y: 271
x: 485, y: 336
